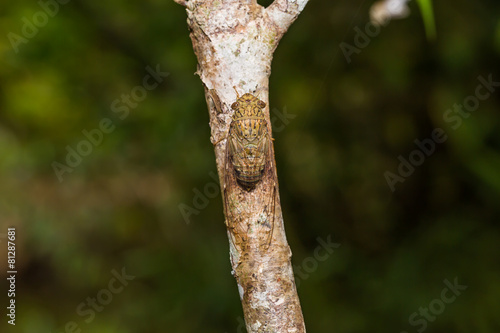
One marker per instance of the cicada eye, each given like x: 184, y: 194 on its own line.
x: 235, y: 105
x: 261, y: 104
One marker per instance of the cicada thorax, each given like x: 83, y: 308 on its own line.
x: 248, y: 140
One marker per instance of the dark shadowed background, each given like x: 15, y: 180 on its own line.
x: 106, y: 171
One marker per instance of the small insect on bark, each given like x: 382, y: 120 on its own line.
x: 249, y: 158
x: 248, y: 140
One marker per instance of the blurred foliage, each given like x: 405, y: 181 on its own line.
x: 428, y: 16
x: 119, y: 207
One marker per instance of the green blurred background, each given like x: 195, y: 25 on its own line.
x: 119, y: 207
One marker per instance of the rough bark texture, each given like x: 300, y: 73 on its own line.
x: 234, y: 41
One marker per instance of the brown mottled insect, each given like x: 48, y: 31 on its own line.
x: 248, y: 140
x: 249, y: 156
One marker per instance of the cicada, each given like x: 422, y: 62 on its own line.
x: 249, y: 159
x: 248, y: 140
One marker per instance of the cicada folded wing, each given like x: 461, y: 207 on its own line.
x: 249, y: 159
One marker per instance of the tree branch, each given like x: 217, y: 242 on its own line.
x: 284, y: 12
x: 182, y: 2
x: 234, y: 43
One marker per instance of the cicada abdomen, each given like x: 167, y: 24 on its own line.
x: 248, y: 140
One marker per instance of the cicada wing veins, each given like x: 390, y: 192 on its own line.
x: 233, y: 223
x: 249, y: 165
x: 272, y: 195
